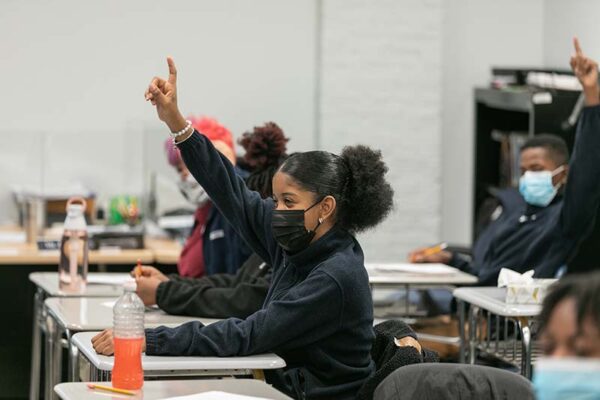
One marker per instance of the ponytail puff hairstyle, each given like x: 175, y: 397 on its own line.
x: 265, y: 148
x: 355, y: 178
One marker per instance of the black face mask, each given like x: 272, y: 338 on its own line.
x: 289, y: 230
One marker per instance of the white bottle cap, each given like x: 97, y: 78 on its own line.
x: 130, y: 285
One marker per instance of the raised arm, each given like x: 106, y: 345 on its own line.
x: 244, y: 209
x: 582, y: 192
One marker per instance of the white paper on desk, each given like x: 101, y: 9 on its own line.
x: 215, y: 395
x: 420, y: 269
x: 8, y: 251
x: 12, y: 237
x: 115, y: 279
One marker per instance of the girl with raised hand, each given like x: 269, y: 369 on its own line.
x: 318, y: 313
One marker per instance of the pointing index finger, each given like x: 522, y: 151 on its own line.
x: 172, y: 70
x: 578, y: 50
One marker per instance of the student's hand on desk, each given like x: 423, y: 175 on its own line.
x: 163, y: 94
x: 103, y: 343
x: 150, y: 272
x: 146, y: 289
x: 420, y: 256
x: 586, y: 70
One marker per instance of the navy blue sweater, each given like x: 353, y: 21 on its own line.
x: 224, y: 250
x: 526, y: 237
x: 318, y: 314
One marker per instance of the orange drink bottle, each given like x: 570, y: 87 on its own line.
x: 128, y: 333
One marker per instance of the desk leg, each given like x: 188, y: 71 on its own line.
x: 73, y: 364
x: 49, y: 354
x: 258, y: 374
x: 525, y: 347
x: 407, y: 301
x: 461, y: 331
x: 36, y: 345
x: 57, y: 359
x: 473, y: 312
x: 92, y: 375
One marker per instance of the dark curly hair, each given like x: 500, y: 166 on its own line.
x: 265, y: 148
x: 356, y: 179
x: 583, y: 288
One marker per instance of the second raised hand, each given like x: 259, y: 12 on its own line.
x: 586, y: 70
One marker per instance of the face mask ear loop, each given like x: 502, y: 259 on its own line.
x: 557, y: 171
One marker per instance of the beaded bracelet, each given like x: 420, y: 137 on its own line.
x: 188, y: 125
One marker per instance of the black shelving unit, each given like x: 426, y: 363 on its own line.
x: 533, y: 112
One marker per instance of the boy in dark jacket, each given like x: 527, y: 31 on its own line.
x: 541, y: 226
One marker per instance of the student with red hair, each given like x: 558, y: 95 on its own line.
x: 213, y: 246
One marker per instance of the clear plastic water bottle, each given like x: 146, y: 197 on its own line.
x: 128, y: 336
x: 73, y: 265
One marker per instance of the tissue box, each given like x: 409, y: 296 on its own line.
x: 531, y: 293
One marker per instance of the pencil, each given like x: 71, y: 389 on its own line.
x: 138, y: 269
x: 435, y: 249
x: 110, y: 389
x: 429, y: 251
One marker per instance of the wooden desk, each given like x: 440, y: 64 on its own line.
x: 160, y: 251
x: 165, y: 251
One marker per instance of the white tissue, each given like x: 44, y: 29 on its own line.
x: 508, y: 277
x: 523, y: 288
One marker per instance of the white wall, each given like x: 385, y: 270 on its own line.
x: 74, y: 73
x: 477, y: 35
x: 398, y: 75
x: 564, y: 19
x: 380, y: 79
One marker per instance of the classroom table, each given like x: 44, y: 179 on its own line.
x: 67, y: 316
x: 491, y: 302
x: 28, y: 254
x: 100, y: 366
x: 18, y: 259
x: 155, y: 390
x: 389, y: 279
x: 46, y: 284
x: 165, y: 251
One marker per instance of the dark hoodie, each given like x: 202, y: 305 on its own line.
x: 318, y: 314
x: 526, y: 237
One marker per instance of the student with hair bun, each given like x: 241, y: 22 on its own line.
x: 225, y: 295
x: 318, y: 313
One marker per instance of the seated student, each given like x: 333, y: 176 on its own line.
x: 318, y: 314
x: 213, y: 246
x: 570, y: 317
x: 542, y: 224
x: 225, y: 295
x: 570, y: 339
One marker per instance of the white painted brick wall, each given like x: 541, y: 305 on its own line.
x: 381, y: 86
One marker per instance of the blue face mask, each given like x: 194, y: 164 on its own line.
x: 560, y: 379
x: 537, y: 188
